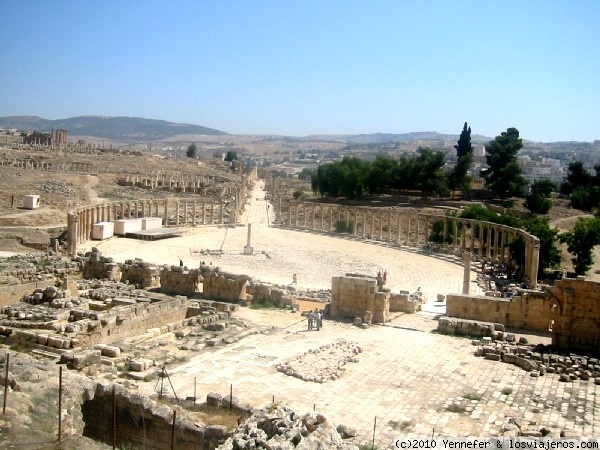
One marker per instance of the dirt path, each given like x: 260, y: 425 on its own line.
x: 92, y: 180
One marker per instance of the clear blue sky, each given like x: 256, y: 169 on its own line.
x: 310, y: 67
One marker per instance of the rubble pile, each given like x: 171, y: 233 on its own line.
x: 538, y: 363
x: 278, y: 426
x: 322, y: 364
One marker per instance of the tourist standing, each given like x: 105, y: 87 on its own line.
x: 318, y: 319
x: 310, y: 316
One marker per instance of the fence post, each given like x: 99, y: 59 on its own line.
x: 195, y: 392
x: 5, y: 384
x: 230, y: 396
x: 59, y: 403
x: 114, y: 411
x: 173, y: 431
x: 374, y: 427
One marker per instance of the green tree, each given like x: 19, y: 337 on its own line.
x: 583, y: 187
x: 581, y: 241
x: 431, y: 179
x: 382, y: 174
x: 503, y: 174
x: 192, y: 151
x: 538, y: 200
x: 549, y: 253
x: 458, y: 178
x: 345, y: 178
x: 231, y: 156
x: 578, y: 176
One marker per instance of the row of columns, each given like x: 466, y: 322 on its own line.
x: 202, y: 212
x: 48, y: 165
x: 483, y: 239
x: 80, y: 222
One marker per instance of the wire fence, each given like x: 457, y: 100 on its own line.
x: 113, y: 417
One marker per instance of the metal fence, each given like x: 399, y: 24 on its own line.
x: 115, y: 418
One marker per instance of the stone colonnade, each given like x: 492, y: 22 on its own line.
x: 169, y: 180
x: 176, y: 212
x: 78, y: 167
x: 484, y: 240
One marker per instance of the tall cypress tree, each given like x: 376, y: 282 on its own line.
x: 458, y: 178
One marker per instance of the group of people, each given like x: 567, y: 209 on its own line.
x: 315, y: 319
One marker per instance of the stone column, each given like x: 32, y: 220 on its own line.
x: 222, y: 212
x: 418, y: 231
x: 185, y: 212
x: 445, y: 239
x: 534, y: 264
x: 331, y: 225
x: 72, y: 232
x: 472, y: 229
x: 467, y: 273
x: 488, y: 250
x: 481, y: 232
x: 314, y: 213
x: 194, y: 221
x: 408, y: 229
x: 305, y: 214
x: 455, y: 234
x: 177, y: 213
x: 497, y: 243
x: 464, y: 235
x: 248, y: 250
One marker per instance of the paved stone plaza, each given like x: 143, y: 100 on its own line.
x: 414, y: 381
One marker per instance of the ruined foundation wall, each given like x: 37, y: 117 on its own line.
x: 142, y: 423
x: 529, y: 311
x: 224, y: 286
x: 177, y: 280
x: 403, y: 303
x: 14, y: 293
x: 127, y: 321
x: 575, y: 314
x: 353, y: 296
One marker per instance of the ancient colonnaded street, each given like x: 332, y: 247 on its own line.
x: 414, y: 381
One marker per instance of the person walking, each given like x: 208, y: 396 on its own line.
x: 295, y: 279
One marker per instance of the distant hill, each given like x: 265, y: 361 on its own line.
x: 123, y: 129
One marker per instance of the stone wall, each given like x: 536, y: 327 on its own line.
x: 126, y: 321
x: 570, y: 310
x: 100, y: 267
x: 353, y: 296
x: 220, y: 285
x: 141, y: 422
x: 529, y: 311
x: 574, y: 306
x: 178, y: 280
x: 139, y: 273
x: 403, y: 303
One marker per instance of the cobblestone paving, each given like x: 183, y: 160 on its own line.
x: 414, y: 381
